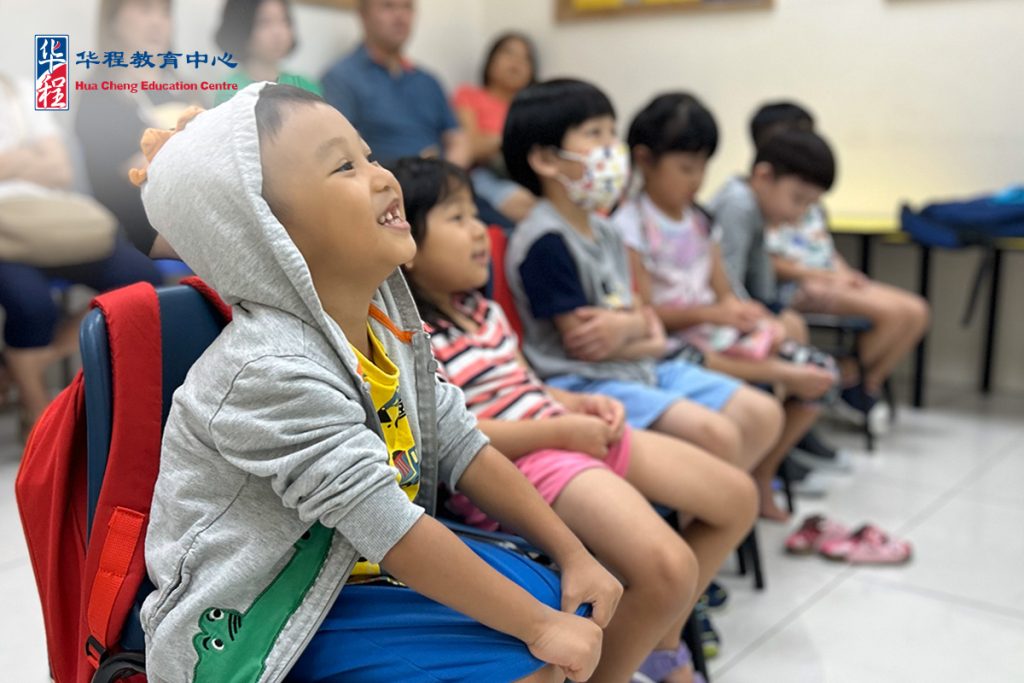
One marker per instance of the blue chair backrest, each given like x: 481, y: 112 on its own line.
x: 188, y: 325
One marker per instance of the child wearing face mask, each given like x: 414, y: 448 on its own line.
x: 569, y: 274
x: 597, y: 474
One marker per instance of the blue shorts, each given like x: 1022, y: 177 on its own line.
x: 379, y: 632
x: 645, y: 404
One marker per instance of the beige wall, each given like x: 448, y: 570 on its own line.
x: 922, y: 98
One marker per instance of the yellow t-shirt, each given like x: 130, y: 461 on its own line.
x: 381, y: 375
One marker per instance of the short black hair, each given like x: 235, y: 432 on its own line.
x: 237, y: 22
x: 674, y: 122
x: 498, y: 43
x: 776, y: 116
x: 801, y: 153
x: 541, y: 115
x: 425, y: 184
x: 271, y: 104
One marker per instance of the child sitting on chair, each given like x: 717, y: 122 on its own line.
x: 817, y: 279
x: 678, y: 270
x: 307, y: 443
x: 597, y: 474
x: 569, y: 274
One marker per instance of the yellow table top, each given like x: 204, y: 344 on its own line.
x: 889, y: 227
x: 866, y: 224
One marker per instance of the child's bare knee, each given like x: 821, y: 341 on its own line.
x: 770, y: 416
x: 919, y: 311
x: 724, y: 439
x: 670, y: 575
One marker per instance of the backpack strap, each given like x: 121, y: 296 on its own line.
x: 207, y: 291
x: 115, y: 563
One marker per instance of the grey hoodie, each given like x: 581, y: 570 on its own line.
x: 274, y: 477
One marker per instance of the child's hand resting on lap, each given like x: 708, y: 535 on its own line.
x: 583, y: 434
x: 567, y: 641
x: 606, y: 408
x: 808, y: 382
x: 571, y: 643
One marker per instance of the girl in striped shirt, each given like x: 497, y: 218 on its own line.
x: 596, y: 473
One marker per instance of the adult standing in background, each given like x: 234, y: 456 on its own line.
x: 259, y: 33
x: 399, y: 109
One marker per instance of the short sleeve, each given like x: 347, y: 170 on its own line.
x: 446, y: 116
x: 626, y: 222
x: 465, y: 97
x: 551, y: 279
x: 736, y: 223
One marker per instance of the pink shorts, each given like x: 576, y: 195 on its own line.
x: 550, y: 471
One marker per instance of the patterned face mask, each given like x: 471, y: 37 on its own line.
x: 605, y: 172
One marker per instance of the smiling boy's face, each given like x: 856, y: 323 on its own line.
x: 342, y: 210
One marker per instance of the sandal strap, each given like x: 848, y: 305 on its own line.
x: 660, y: 663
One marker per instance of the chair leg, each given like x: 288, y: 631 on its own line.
x: 869, y: 436
x: 787, y: 488
x: 741, y: 559
x: 890, y: 398
x: 754, y: 551
x: 691, y: 636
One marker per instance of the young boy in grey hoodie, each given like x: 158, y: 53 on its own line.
x: 309, y: 440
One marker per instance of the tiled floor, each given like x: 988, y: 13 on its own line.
x: 951, y: 479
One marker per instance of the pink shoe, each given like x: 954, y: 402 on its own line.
x: 867, y: 545
x: 813, y: 533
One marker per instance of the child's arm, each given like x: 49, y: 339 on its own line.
x: 793, y: 271
x: 494, y: 485
x: 301, y: 427
x: 674, y: 318
x: 843, y: 275
x: 597, y: 334
x: 611, y: 411
x: 853, y: 276
x: 432, y: 561
x: 483, y: 146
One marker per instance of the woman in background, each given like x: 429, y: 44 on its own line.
x: 259, y: 33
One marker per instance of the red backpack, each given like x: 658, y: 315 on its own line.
x: 89, y: 574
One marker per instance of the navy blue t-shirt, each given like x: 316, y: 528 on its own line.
x: 398, y: 115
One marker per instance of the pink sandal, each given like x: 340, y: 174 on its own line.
x: 867, y: 545
x: 813, y: 533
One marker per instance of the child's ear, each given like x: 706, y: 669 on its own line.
x: 643, y: 158
x: 543, y: 161
x: 762, y: 173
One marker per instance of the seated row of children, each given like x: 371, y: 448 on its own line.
x: 294, y: 532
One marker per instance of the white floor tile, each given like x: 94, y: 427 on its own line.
x: 932, y: 449
x: 22, y: 643
x: 973, y: 551
x: 863, y: 632
x: 12, y: 546
x: 949, y: 478
x: 1002, y: 483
